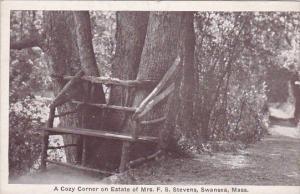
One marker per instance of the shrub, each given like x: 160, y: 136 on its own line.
x: 25, y: 117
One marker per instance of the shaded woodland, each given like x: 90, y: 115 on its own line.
x: 233, y: 66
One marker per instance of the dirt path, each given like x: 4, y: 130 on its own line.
x: 273, y: 161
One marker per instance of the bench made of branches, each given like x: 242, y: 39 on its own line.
x: 160, y: 92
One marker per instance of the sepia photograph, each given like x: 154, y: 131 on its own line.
x: 181, y: 98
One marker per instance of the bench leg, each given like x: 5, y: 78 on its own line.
x: 125, y: 156
x: 44, y: 150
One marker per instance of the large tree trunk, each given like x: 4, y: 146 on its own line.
x: 188, y: 86
x: 160, y: 50
x: 64, y: 58
x: 180, y: 106
x: 147, y: 46
x: 130, y: 36
x: 92, y: 116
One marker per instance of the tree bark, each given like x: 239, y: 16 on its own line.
x: 168, y: 138
x: 28, y: 42
x: 188, y: 83
x: 160, y: 50
x: 63, y: 58
x: 130, y: 37
x: 92, y: 116
x: 69, y: 51
x: 147, y: 46
x: 296, y: 93
x: 85, y: 44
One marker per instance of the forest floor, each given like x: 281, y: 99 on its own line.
x: 275, y: 160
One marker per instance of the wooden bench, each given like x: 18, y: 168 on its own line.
x: 160, y: 92
x: 100, y: 134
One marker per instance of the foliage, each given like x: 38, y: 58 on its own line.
x: 29, y: 74
x: 28, y: 77
x: 243, y: 60
x: 236, y: 58
x: 103, y: 30
x: 25, y: 117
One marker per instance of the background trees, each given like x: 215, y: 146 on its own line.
x: 229, y: 63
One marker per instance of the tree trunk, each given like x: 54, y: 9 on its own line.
x: 168, y: 138
x: 92, y: 116
x: 180, y: 111
x: 147, y: 46
x: 187, y: 96
x: 130, y: 36
x: 160, y: 50
x: 296, y: 94
x: 64, y: 58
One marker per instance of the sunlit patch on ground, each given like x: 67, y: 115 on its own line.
x: 58, y: 175
x: 292, y: 132
x: 284, y: 111
x: 293, y: 174
x: 226, y: 160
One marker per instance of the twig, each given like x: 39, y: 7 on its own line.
x: 62, y: 95
x: 141, y: 160
x: 60, y: 147
x: 66, y: 113
x: 154, y: 121
x: 28, y: 42
x: 155, y: 100
x: 121, y: 108
x: 114, y: 81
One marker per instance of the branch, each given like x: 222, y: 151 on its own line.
x: 28, y: 42
x: 63, y: 95
x: 85, y: 43
x: 115, y: 107
x: 142, y: 160
x: 155, y: 100
x: 67, y: 113
x: 114, y: 81
x: 60, y: 147
x: 240, y: 116
x: 154, y: 121
x: 159, y: 86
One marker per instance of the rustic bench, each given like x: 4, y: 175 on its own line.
x: 160, y: 92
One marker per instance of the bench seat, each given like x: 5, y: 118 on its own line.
x: 101, y: 133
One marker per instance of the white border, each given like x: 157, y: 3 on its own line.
x: 154, y: 5
x: 6, y: 6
